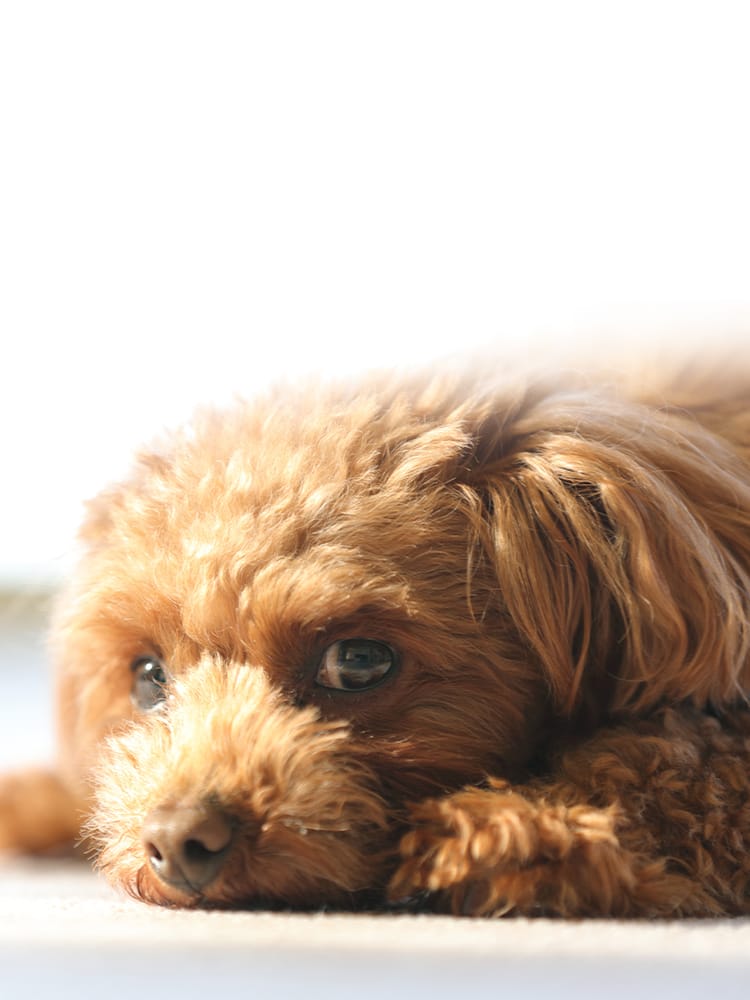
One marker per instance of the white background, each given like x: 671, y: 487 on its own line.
x: 198, y: 197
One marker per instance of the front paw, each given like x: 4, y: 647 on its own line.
x: 492, y: 851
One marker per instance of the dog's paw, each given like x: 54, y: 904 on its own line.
x: 37, y: 813
x: 493, y: 851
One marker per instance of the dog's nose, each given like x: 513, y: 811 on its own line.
x: 187, y: 846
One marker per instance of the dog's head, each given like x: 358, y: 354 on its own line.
x: 309, y: 611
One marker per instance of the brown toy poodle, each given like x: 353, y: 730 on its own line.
x: 470, y: 644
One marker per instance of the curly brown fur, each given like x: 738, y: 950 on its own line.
x: 646, y: 819
x: 559, y: 572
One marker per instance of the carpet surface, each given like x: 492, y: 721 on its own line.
x: 64, y: 933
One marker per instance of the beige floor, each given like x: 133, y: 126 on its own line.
x: 65, y: 934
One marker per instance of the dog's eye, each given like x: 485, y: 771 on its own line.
x: 149, y: 683
x: 355, y: 664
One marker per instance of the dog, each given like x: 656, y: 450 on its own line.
x: 468, y: 643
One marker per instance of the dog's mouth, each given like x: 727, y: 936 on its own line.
x: 200, y: 856
x: 197, y: 854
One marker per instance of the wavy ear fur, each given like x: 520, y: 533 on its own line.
x: 619, y: 535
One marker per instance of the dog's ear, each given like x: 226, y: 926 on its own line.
x: 619, y: 540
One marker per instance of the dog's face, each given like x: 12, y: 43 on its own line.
x: 313, y: 610
x: 287, y: 622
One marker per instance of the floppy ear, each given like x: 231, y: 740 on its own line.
x: 619, y: 537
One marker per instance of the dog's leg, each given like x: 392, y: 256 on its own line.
x: 38, y: 814
x: 651, y: 819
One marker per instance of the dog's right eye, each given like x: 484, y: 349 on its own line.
x: 149, y: 683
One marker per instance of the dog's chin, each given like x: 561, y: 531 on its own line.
x: 281, y: 867
x: 280, y: 888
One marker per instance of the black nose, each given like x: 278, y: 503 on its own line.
x: 187, y: 845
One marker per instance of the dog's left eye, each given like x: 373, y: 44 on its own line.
x: 149, y: 683
x: 355, y: 664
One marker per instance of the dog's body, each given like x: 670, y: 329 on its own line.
x: 476, y: 647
